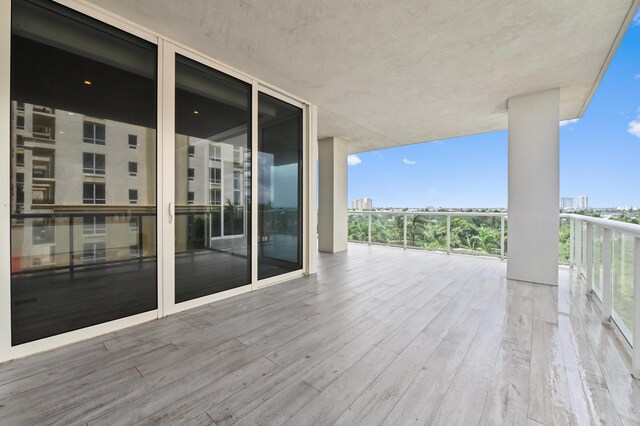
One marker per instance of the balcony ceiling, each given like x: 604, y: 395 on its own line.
x: 386, y: 73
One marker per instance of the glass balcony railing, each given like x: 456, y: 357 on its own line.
x: 457, y: 232
x: 605, y: 253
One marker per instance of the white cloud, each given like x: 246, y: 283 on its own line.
x: 636, y: 19
x: 353, y: 160
x: 634, y: 127
x: 409, y: 162
x: 565, y: 122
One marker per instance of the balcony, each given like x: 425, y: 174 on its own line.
x: 43, y: 110
x: 43, y: 132
x: 380, y: 336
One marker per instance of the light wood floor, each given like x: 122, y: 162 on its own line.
x: 379, y: 336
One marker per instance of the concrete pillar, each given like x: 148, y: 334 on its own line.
x: 332, y: 195
x: 534, y: 187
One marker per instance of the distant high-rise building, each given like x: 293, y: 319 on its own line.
x: 582, y: 202
x: 362, y: 204
x: 566, y: 203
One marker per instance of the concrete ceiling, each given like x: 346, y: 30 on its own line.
x: 387, y: 73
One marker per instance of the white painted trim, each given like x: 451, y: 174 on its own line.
x: 607, y: 283
x: 205, y: 300
x: 267, y: 282
x: 305, y: 192
x: 123, y: 23
x: 589, y: 259
x: 165, y: 217
x: 311, y: 191
x: 254, y: 185
x: 208, y: 62
x: 76, y: 336
x: 165, y: 196
x: 160, y: 198
x: 5, y: 178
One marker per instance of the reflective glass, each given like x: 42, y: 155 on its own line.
x: 280, y: 187
x: 212, y: 181
x: 79, y: 90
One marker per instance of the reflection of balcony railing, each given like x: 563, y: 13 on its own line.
x: 43, y: 109
x: 42, y: 173
x: 68, y: 251
x: 279, y: 222
x: 43, y: 132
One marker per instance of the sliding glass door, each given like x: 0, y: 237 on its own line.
x: 280, y: 139
x: 84, y: 189
x: 83, y: 172
x: 212, y: 181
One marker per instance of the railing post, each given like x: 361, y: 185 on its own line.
x: 635, y: 367
x: 501, y: 237
x: 448, y: 234
x: 607, y: 290
x: 369, y: 238
x: 578, y: 247
x: 589, y: 259
x: 572, y: 235
x: 404, y: 230
x: 140, y: 238
x: 71, y: 244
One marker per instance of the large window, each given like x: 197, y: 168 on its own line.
x: 94, y: 252
x: 93, y: 163
x: 280, y: 187
x: 214, y: 174
x: 212, y: 226
x: 75, y: 82
x: 93, y: 193
x: 94, y: 225
x: 94, y: 133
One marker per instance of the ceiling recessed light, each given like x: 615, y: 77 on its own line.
x: 88, y: 83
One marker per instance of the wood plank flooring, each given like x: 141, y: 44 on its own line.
x: 379, y: 336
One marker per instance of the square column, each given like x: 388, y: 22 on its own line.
x: 533, y: 221
x: 332, y: 195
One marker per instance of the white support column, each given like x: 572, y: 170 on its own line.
x: 533, y: 196
x: 332, y: 200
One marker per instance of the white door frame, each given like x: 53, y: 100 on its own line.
x: 165, y: 170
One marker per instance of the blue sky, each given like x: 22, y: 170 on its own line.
x: 599, y: 154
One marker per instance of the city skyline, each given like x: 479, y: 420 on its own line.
x: 599, y: 154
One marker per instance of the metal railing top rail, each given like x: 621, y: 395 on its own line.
x: 614, y: 225
x: 450, y: 213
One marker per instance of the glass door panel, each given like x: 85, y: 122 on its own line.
x: 83, y: 172
x: 280, y: 187
x: 212, y: 181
